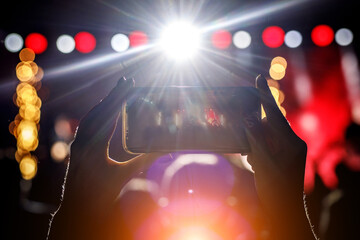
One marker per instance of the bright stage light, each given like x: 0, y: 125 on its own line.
x: 344, y: 37
x: 85, y: 42
x: 180, y: 40
x: 273, y: 36
x: 293, y: 39
x: 37, y: 42
x: 120, y: 42
x: 14, y: 42
x: 65, y: 43
x: 322, y: 35
x: 242, y: 39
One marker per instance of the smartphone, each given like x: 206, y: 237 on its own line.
x: 170, y: 119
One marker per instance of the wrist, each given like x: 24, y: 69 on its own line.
x: 292, y: 223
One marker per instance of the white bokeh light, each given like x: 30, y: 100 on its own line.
x: 14, y: 42
x: 344, y: 37
x: 120, y: 42
x: 293, y: 39
x: 242, y: 39
x: 65, y: 43
x: 180, y: 40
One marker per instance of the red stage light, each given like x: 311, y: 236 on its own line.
x: 137, y: 38
x: 322, y: 35
x: 221, y: 39
x: 85, y: 42
x: 37, y: 42
x: 273, y: 36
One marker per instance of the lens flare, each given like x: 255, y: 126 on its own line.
x: 195, y: 233
x: 180, y: 40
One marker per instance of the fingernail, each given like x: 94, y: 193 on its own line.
x: 261, y: 82
x: 121, y: 81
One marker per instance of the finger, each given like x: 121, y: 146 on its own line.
x: 96, y: 128
x: 275, y: 118
x: 257, y: 140
x: 136, y: 165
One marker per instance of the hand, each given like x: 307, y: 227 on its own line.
x: 93, y: 180
x: 278, y: 159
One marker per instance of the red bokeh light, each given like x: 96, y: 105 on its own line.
x: 322, y: 35
x: 85, y: 42
x: 221, y: 39
x: 273, y: 36
x: 37, y: 42
x: 137, y: 38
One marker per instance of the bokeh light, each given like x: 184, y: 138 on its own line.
x: 26, y: 94
x: 180, y: 40
x: 322, y: 35
x: 242, y: 39
x: 59, y: 151
x: 13, y: 42
x: 277, y: 72
x: 120, y: 42
x: 37, y: 42
x: 138, y: 38
x: 275, y: 92
x: 278, y: 68
x: 25, y: 126
x: 30, y: 112
x: 27, y: 134
x: 63, y: 128
x: 85, y: 42
x: 221, y: 39
x: 28, y: 167
x: 24, y: 71
x: 273, y: 36
x: 27, y: 55
x: 293, y: 39
x: 39, y: 75
x: 279, y: 60
x: 344, y: 37
x: 20, y: 154
x: 65, y: 43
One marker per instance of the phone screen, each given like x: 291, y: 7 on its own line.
x: 188, y: 118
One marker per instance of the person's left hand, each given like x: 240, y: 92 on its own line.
x: 94, y: 180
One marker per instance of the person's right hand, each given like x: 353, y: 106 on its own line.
x: 278, y: 159
x: 93, y: 180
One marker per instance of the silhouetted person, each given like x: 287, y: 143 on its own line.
x: 344, y: 211
x: 94, y: 181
